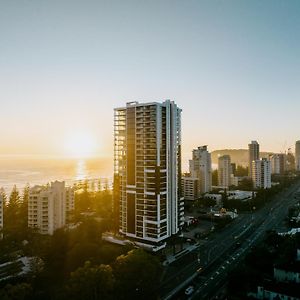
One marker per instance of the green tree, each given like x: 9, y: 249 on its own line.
x: 21, y: 291
x: 241, y: 171
x: 11, y: 211
x: 246, y: 184
x: 24, y: 207
x: 91, y: 283
x: 137, y: 275
x: 83, y: 198
x: 3, y: 195
x: 103, y: 203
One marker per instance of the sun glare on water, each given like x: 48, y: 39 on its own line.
x: 80, y: 145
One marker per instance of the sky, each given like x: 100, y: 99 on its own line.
x: 232, y: 66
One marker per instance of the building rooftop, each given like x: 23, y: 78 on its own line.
x: 137, y: 104
x: 288, y: 289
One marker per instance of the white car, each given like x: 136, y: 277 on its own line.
x: 189, y: 290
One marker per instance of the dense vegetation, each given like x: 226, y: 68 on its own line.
x: 262, y: 197
x: 76, y: 263
x: 259, y: 263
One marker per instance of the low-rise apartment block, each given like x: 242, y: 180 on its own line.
x: 261, y: 174
x: 278, y: 163
x: 48, y: 206
x: 189, y: 186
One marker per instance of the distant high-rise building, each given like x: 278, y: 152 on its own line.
x: 147, y: 171
x: 261, y: 173
x: 49, y: 206
x: 290, y: 161
x: 297, y: 155
x: 200, y: 167
x: 253, y: 150
x: 224, y: 171
x: 189, y: 186
x: 278, y: 163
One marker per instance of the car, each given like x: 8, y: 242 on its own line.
x: 189, y: 290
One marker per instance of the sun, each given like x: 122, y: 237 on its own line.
x: 80, y: 145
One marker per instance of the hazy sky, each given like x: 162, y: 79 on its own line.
x: 232, y: 66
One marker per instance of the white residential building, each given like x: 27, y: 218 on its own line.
x: 261, y: 174
x: 297, y: 155
x: 278, y: 163
x: 253, y: 153
x: 49, y: 205
x: 240, y: 195
x: 189, y: 186
x: 224, y: 171
x: 200, y: 167
x: 147, y: 171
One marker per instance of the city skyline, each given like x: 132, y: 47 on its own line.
x: 232, y: 67
x: 149, y: 149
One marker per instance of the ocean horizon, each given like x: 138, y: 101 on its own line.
x: 21, y: 170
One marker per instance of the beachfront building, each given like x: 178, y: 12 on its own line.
x: 49, y: 206
x: 147, y: 171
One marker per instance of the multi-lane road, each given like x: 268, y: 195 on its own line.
x: 207, y: 267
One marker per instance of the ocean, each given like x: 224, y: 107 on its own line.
x: 20, y: 171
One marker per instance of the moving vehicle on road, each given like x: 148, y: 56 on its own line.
x: 189, y: 291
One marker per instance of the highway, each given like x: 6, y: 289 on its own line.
x: 216, y: 257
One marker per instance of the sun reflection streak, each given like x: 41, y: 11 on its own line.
x: 81, y: 171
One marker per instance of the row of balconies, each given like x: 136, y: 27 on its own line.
x: 32, y: 221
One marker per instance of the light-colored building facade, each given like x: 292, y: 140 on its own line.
x: 261, y: 174
x: 148, y: 202
x: 49, y: 206
x: 253, y: 153
x: 200, y: 167
x: 224, y: 171
x: 189, y: 187
x: 278, y: 163
x: 297, y: 155
x: 240, y: 195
